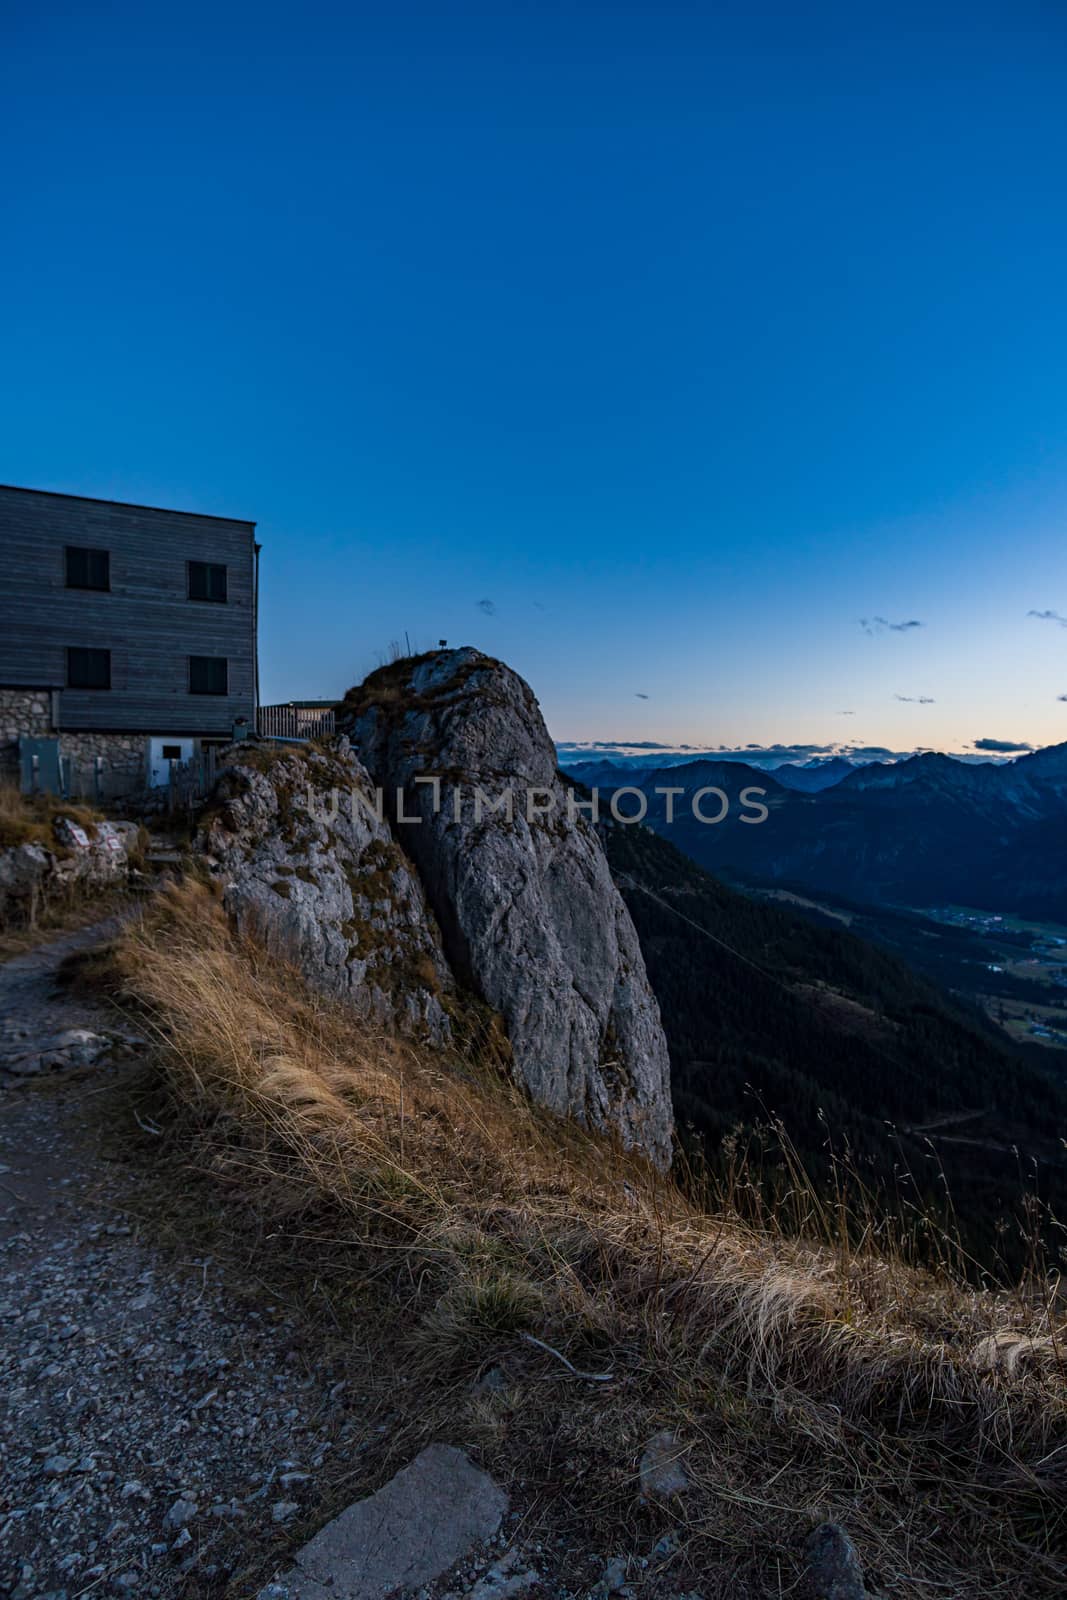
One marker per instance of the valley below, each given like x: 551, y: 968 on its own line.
x: 1012, y: 969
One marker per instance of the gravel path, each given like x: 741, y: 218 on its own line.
x: 29, y: 1003
x: 154, y: 1426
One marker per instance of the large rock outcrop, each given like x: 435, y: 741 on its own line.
x: 530, y: 917
x: 303, y: 860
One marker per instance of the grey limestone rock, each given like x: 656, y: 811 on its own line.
x: 832, y: 1568
x: 407, y: 1534
x: 662, y: 1467
x: 305, y: 862
x: 520, y: 885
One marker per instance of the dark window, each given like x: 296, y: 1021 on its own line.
x: 207, y: 581
x: 88, y: 669
x: 88, y: 569
x: 172, y: 752
x: 207, y: 675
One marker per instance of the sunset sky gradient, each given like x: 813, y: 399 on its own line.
x: 650, y: 347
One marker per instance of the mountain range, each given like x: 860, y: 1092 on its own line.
x: 926, y: 831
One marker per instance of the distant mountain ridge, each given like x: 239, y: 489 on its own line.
x: 925, y: 831
x: 812, y: 776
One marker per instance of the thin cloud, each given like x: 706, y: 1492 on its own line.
x: 1002, y: 747
x: 916, y: 699
x: 873, y: 625
x: 619, y: 746
x: 488, y: 606
x: 1049, y: 616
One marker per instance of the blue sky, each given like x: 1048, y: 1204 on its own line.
x: 685, y: 336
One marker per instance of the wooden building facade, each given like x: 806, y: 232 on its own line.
x: 135, y: 626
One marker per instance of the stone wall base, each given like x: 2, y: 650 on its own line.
x: 103, y: 766
x: 22, y: 711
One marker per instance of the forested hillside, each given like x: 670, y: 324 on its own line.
x: 768, y: 1016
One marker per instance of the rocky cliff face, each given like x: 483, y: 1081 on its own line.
x: 304, y: 861
x: 520, y: 886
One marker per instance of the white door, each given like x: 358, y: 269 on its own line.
x: 161, y: 752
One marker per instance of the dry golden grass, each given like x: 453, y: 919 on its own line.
x: 57, y: 916
x: 29, y: 819
x: 804, y: 1381
x: 62, y: 904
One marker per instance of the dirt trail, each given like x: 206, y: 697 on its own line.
x: 156, y: 1420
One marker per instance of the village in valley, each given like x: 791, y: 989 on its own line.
x: 1024, y: 987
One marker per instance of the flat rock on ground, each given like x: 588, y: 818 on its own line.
x: 416, y: 1527
x: 832, y: 1570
